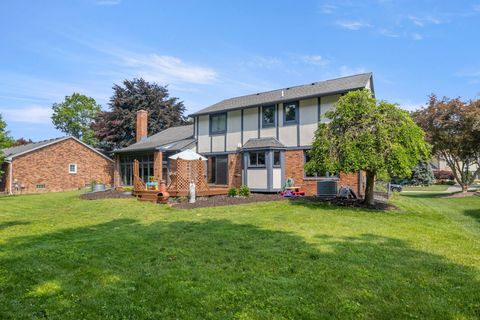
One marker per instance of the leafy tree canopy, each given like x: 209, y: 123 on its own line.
x: 452, y: 127
x: 5, y: 140
x: 74, y: 116
x: 365, y: 134
x: 116, y: 127
x: 22, y: 141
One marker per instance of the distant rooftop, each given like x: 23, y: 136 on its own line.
x: 315, y: 89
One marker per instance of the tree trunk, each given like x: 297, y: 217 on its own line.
x: 369, y: 188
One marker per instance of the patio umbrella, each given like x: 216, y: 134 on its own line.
x: 187, y: 155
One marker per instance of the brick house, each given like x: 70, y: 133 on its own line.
x: 53, y: 165
x: 257, y: 140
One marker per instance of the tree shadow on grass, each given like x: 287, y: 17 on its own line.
x: 217, y: 269
x: 425, y: 195
x: 473, y: 213
x: 12, y: 223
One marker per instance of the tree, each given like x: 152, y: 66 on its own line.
x: 116, y: 127
x: 74, y: 116
x: 365, y: 134
x: 5, y: 141
x: 22, y: 141
x: 422, y: 175
x: 452, y: 127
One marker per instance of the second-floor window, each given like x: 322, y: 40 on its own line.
x: 290, y: 112
x: 218, y: 123
x: 268, y: 116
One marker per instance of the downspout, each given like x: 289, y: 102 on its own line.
x: 10, y: 173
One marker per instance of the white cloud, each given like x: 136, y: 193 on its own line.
x: 327, y: 8
x: 476, y: 7
x: 108, y: 2
x: 417, y: 36
x: 388, y: 33
x: 411, y: 106
x: 348, y: 71
x: 165, y: 68
x: 315, y: 60
x: 352, y: 24
x: 264, y: 62
x: 422, y: 21
x: 30, y: 114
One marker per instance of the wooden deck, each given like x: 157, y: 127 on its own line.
x: 212, y: 191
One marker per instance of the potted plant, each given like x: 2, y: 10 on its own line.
x: 97, y: 186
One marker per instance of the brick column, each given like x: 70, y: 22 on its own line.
x: 117, y: 180
x: 234, y: 170
x: 157, y: 165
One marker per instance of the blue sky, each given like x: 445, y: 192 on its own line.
x: 210, y: 50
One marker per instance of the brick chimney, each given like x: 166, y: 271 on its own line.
x: 142, y: 125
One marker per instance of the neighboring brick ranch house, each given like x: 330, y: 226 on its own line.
x: 53, y: 165
x: 257, y: 140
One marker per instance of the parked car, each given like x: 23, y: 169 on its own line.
x: 396, y: 187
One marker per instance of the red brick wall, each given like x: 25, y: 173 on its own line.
x: 294, y: 168
x: 49, y: 166
x: 157, y: 165
x: 234, y: 170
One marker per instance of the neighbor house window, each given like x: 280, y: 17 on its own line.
x: 218, y: 123
x: 256, y: 159
x: 290, y: 112
x: 268, y: 116
x: 276, y: 158
x: 316, y: 175
x: 72, y: 168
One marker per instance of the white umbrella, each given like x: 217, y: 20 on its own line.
x: 187, y: 155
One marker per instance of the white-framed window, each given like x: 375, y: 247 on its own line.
x: 40, y: 186
x: 72, y: 168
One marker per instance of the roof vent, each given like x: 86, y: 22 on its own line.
x: 313, y: 83
x: 283, y: 93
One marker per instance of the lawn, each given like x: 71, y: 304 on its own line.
x: 433, y: 187
x: 65, y: 258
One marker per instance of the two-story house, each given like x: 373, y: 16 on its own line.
x: 258, y: 140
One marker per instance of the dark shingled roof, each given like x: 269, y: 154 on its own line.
x: 174, y: 138
x: 13, y: 151
x: 315, y: 89
x: 262, y: 143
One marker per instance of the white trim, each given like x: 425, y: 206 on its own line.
x: 70, y: 167
x: 59, y: 140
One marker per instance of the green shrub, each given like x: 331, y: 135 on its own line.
x: 244, y: 191
x: 232, y: 192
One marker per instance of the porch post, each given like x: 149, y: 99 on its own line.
x: 157, y: 165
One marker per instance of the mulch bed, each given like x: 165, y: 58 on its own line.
x: 350, y: 203
x: 224, y: 200
x: 109, y: 194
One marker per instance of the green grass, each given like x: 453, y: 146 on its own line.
x: 433, y: 187
x: 63, y: 258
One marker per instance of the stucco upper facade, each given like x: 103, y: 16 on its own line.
x: 247, y: 122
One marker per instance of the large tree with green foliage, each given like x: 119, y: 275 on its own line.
x: 5, y: 141
x: 369, y: 135
x: 116, y: 127
x: 452, y: 127
x: 74, y: 116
